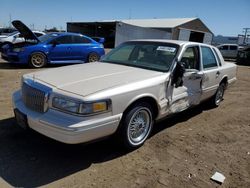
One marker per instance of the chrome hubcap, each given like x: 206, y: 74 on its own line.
x: 37, y: 60
x: 219, y: 95
x: 139, y: 126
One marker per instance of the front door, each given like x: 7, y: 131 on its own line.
x: 60, y: 49
x: 189, y: 93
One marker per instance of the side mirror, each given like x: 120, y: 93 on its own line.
x: 177, y: 78
x: 54, y: 43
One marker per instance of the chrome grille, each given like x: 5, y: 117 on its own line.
x: 33, y: 98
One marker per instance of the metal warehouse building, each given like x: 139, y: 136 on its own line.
x: 118, y: 31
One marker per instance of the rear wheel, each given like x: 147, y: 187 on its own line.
x: 93, y: 57
x: 136, y: 125
x: 37, y: 60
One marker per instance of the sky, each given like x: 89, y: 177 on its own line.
x: 223, y: 17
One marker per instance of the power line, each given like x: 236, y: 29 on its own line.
x: 245, y: 31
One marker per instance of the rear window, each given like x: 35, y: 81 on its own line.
x: 80, y: 40
x: 232, y: 47
x: 217, y: 56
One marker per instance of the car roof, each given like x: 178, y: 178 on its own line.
x: 66, y: 33
x: 177, y: 42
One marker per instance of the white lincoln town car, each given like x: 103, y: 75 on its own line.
x: 132, y: 87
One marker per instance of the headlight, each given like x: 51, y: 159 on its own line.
x: 18, y: 49
x: 82, y: 108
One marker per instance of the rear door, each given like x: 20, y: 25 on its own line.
x: 233, y: 50
x: 80, y: 48
x: 211, y: 72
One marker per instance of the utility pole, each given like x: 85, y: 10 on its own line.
x: 245, y: 31
x: 10, y: 20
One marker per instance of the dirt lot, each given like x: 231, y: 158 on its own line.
x: 184, y: 150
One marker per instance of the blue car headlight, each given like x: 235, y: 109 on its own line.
x: 18, y: 49
x: 81, y: 108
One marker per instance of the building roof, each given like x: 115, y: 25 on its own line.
x: 158, y: 23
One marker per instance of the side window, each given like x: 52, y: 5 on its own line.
x: 217, y: 56
x: 80, y: 40
x: 64, y: 40
x: 190, y: 58
x: 232, y: 47
x: 223, y: 48
x: 208, y: 58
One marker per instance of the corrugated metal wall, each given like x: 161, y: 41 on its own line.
x: 125, y: 32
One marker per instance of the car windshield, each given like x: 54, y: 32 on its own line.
x: 47, y: 37
x: 148, y: 55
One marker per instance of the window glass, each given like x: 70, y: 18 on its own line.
x: 64, y: 40
x: 208, y: 58
x: 148, y: 55
x: 190, y: 58
x: 80, y: 39
x: 233, y: 47
x: 217, y: 56
x: 223, y: 48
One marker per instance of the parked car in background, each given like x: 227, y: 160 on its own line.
x: 16, y: 37
x: 6, y: 30
x: 134, y: 85
x: 243, y: 56
x: 229, y: 51
x: 51, y: 48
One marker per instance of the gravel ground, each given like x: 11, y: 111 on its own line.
x: 183, y: 151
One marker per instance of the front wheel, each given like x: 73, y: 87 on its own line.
x: 136, y: 125
x: 37, y: 60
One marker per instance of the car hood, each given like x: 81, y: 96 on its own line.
x: 92, y: 77
x: 25, y: 31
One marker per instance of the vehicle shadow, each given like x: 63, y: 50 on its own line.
x: 181, y: 117
x: 28, y: 159
x: 6, y: 65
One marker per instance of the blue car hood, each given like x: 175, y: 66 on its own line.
x: 25, y: 31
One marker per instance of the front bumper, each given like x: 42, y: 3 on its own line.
x: 67, y: 128
x: 15, y: 57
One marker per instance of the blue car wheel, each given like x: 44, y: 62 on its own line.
x: 37, y: 60
x: 93, y: 57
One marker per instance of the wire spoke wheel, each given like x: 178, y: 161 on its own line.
x: 137, y: 125
x: 219, y: 94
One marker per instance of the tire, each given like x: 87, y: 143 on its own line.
x: 218, y: 96
x: 93, y: 57
x: 38, y: 60
x: 136, y: 126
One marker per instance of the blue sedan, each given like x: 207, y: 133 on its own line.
x: 52, y: 48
